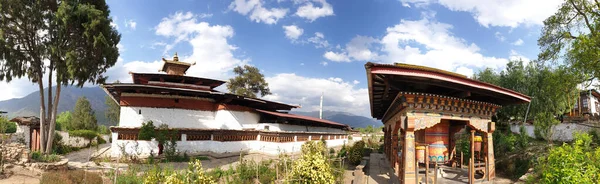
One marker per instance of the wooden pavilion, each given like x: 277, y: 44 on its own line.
x: 424, y: 108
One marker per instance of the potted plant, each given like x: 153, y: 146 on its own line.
x: 477, y: 142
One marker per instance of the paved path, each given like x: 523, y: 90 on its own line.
x: 83, y: 155
x: 378, y: 169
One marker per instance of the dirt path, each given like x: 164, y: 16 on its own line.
x: 22, y: 175
x: 83, y: 155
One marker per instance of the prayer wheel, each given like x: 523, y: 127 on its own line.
x: 420, y: 154
x: 438, y: 139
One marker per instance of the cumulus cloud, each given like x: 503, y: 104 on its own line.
x: 338, y: 95
x: 312, y: 13
x: 319, y: 40
x: 441, y: 49
x: 509, y: 13
x: 359, y: 48
x: 256, y: 11
x: 210, y: 47
x: 130, y: 24
x: 518, y: 42
x: 465, y: 71
x: 337, y: 57
x: 293, y: 32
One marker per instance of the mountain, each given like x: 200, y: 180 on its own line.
x: 354, y: 121
x: 30, y: 104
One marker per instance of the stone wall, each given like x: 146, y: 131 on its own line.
x: 53, y: 166
x: 561, y: 132
x: 77, y: 141
x: 15, y: 153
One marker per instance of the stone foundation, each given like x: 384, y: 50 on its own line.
x: 15, y: 153
x: 53, y: 166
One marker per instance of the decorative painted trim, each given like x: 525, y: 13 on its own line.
x: 165, y: 96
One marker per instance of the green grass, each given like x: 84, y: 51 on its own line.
x: 70, y: 177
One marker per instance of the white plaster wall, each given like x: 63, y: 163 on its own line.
x: 225, y: 119
x: 561, y: 132
x: 75, y: 141
x: 593, y: 100
x: 183, y: 118
x: 22, y: 132
x: 193, y: 147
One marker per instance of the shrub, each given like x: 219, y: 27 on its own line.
x: 86, y: 134
x: 355, y: 153
x: 37, y: 156
x: 595, y: 136
x: 575, y: 163
x: 70, y: 177
x: 343, y: 152
x: 146, y: 131
x: 312, y: 166
x: 6, y: 126
x: 194, y: 174
x: 102, y: 129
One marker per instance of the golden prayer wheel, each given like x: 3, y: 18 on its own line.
x: 437, y: 138
x: 477, y: 143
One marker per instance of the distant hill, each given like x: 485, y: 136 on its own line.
x: 30, y: 104
x: 354, y: 121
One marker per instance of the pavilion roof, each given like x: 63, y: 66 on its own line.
x: 305, y: 120
x: 387, y: 80
x: 26, y: 120
x: 179, y: 80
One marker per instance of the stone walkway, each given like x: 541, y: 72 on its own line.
x: 379, y: 170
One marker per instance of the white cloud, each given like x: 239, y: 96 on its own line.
x: 430, y: 43
x: 205, y: 15
x: 355, y: 82
x: 257, y: 12
x: 338, y: 95
x: 312, y: 13
x: 130, y: 24
x: 509, y: 13
x: 465, y: 71
x: 359, y: 48
x: 514, y: 55
x: 319, y: 40
x: 113, y: 22
x: 120, y: 47
x: 499, y: 36
x: 324, y: 63
x: 337, y: 57
x: 293, y: 32
x: 210, y: 47
x: 518, y: 42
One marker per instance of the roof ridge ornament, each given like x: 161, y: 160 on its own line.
x: 174, y: 66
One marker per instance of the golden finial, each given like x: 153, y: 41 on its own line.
x: 175, y: 57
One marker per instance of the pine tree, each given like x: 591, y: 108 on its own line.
x: 248, y: 82
x: 83, y: 116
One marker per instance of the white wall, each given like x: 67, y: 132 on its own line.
x: 183, y: 118
x: 22, y: 132
x: 195, y: 147
x: 561, y: 132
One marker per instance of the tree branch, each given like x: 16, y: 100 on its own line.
x: 587, y: 22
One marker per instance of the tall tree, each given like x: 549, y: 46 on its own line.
x: 571, y: 37
x: 69, y: 39
x: 112, y: 112
x: 248, y: 82
x: 83, y: 117
x: 63, y: 120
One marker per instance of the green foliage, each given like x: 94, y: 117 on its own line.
x: 577, y: 162
x: 59, y: 147
x: 86, y: 134
x: 7, y: 126
x: 194, y: 174
x: 595, y: 136
x: 83, y: 116
x: 147, y: 131
x: 113, y: 111
x: 248, y: 82
x: 312, y: 166
x: 553, y: 91
x: 355, y: 154
x: 571, y: 38
x: 102, y: 129
x: 38, y: 157
x: 70, y: 177
x: 63, y: 121
x: 370, y: 129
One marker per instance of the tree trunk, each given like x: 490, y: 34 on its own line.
x: 49, y: 133
x: 42, y: 114
x: 53, y: 118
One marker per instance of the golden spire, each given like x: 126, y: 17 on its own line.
x: 175, y: 57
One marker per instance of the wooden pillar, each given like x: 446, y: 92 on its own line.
x: 472, y: 159
x: 491, y: 172
x: 408, y: 153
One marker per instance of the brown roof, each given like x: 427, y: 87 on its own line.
x: 30, y: 120
x: 387, y: 80
x: 305, y: 118
x: 144, y: 78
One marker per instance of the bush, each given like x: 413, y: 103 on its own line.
x: 102, y: 129
x: 38, y: 157
x: 70, y: 177
x: 147, y: 131
x: 86, y: 134
x: 575, y: 163
x: 6, y: 126
x: 356, y: 152
x: 312, y: 166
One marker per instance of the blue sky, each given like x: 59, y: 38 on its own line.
x: 309, y: 47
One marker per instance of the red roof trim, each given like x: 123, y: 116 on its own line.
x: 299, y: 117
x: 459, y: 80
